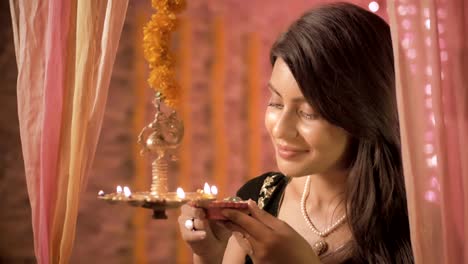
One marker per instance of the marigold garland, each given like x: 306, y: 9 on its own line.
x: 156, y: 44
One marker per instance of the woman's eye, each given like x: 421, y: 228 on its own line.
x: 307, y: 115
x: 275, y: 105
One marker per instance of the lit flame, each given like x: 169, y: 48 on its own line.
x: 206, y: 188
x: 180, y: 193
x: 127, y: 191
x: 101, y: 193
x: 214, y: 190
x: 119, y: 189
x: 374, y: 6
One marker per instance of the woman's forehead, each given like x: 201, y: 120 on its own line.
x: 282, y: 81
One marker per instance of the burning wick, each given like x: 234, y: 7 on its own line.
x: 100, y: 193
x: 206, y: 188
x: 180, y: 193
x: 214, y: 190
x: 119, y: 189
x: 127, y: 192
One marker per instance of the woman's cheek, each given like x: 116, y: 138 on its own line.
x: 308, y: 132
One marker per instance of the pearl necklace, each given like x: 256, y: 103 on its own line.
x: 321, y: 246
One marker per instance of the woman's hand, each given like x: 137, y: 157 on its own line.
x: 207, y: 238
x: 270, y: 239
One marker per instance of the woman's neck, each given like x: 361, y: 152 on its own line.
x: 326, y: 190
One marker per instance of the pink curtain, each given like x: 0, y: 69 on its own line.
x: 431, y: 53
x: 65, y: 51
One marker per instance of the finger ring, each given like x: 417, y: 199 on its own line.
x: 190, y: 224
x: 246, y: 244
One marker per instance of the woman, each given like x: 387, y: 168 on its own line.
x: 340, y: 195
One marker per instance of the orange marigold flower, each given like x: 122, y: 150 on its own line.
x: 156, y: 43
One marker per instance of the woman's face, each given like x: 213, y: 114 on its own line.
x: 305, y: 143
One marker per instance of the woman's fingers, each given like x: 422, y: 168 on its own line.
x: 194, y: 236
x: 195, y: 212
x: 243, y: 242
x: 249, y: 225
x: 194, y: 226
x: 235, y: 228
x: 263, y: 216
x: 189, y: 229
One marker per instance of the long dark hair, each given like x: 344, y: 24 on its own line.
x: 341, y: 56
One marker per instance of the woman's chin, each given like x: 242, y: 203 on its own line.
x: 294, y: 168
x: 293, y: 172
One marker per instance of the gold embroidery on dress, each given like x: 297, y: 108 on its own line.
x: 267, y: 190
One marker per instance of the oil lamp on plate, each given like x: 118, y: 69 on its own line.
x: 160, y: 138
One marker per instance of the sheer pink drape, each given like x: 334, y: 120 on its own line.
x: 431, y: 54
x: 65, y: 51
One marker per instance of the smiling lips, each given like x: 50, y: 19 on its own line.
x: 287, y: 152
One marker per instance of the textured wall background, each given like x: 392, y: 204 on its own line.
x: 107, y: 234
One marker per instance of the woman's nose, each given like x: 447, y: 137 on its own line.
x: 285, y: 126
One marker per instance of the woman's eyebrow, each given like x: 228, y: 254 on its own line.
x: 270, y: 86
